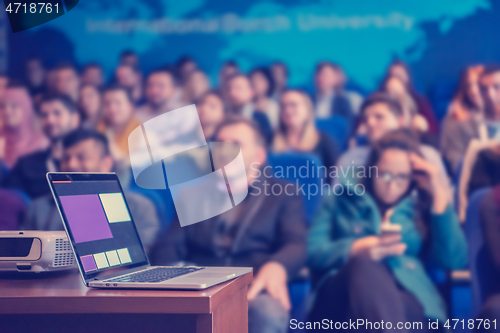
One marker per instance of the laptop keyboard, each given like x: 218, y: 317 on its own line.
x: 156, y: 274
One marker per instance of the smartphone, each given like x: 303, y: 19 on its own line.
x: 390, y: 229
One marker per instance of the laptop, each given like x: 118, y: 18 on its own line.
x: 106, y: 243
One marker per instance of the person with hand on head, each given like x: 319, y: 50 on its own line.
x: 90, y: 104
x: 380, y: 114
x: 366, y: 248
x: 86, y: 150
x: 298, y: 132
x: 265, y: 231
x: 240, y: 96
x: 161, y: 95
x: 20, y: 134
x: 58, y: 116
x: 211, y: 112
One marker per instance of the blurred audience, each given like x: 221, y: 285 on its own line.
x: 20, y: 133
x: 400, y: 70
x: 280, y: 73
x: 118, y: 121
x: 331, y: 97
x: 228, y: 69
x: 161, y: 95
x: 263, y: 86
x: 211, y: 112
x: 489, y: 217
x: 298, y: 132
x: 129, y: 58
x: 129, y: 77
x: 366, y: 252
x: 463, y: 120
x: 90, y: 104
x: 58, y: 116
x: 240, y: 96
x: 66, y: 81
x: 197, y: 84
x: 185, y: 66
x: 35, y: 77
x: 363, y: 271
x: 92, y: 75
x: 485, y: 170
x: 88, y: 151
x: 380, y: 114
x: 264, y: 232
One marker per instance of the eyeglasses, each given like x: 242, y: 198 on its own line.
x: 400, y: 179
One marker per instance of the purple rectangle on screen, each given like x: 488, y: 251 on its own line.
x: 88, y: 263
x: 86, y: 217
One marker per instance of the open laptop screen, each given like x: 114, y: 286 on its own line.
x: 98, y: 222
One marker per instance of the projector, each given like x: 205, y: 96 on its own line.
x: 35, y: 251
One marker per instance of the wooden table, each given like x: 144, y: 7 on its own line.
x: 61, y: 303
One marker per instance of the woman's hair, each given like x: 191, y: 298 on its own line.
x: 215, y: 93
x: 383, y: 98
x: 309, y: 131
x: 405, y: 140
x: 269, y: 77
x: 461, y: 103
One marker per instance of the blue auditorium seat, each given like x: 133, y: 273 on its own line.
x: 338, y: 129
x: 296, y: 160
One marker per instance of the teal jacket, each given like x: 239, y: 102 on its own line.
x: 343, y: 219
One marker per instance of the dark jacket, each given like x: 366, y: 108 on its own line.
x: 28, y: 175
x: 272, y: 228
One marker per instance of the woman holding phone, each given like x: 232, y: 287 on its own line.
x: 365, y: 267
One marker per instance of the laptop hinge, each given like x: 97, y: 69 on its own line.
x: 124, y: 272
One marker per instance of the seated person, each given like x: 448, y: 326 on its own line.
x: 263, y: 85
x: 211, y: 112
x: 266, y: 232
x: 381, y: 114
x: 363, y: 272
x: 297, y: 130
x: 462, y: 123
x: 88, y: 151
x: 331, y: 97
x: 19, y: 133
x: 118, y: 122
x: 485, y: 169
x: 58, y: 116
x: 240, y: 95
x: 490, y: 215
